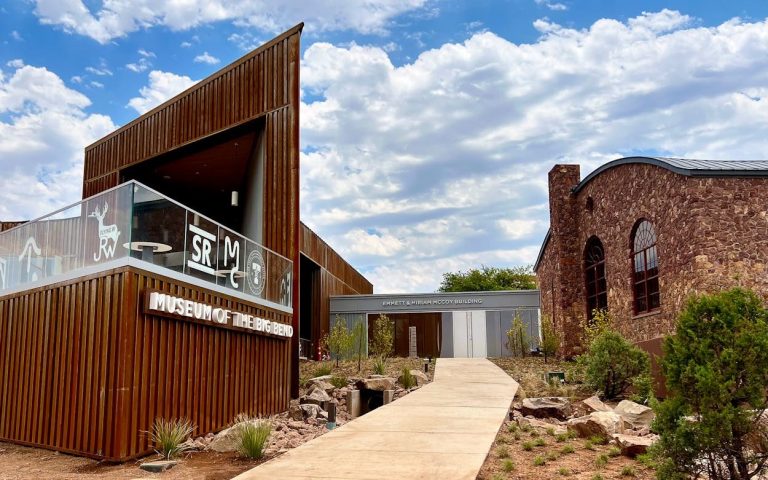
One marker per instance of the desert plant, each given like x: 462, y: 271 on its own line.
x: 552, y: 456
x: 251, y: 436
x: 601, y: 321
x: 169, y: 436
x: 716, y: 366
x: 550, y: 431
x: 382, y: 337
x: 502, y: 451
x: 539, y: 442
x: 340, y: 340
x: 527, y: 446
x: 601, y: 460
x: 612, y: 363
x: 599, y: 439
x: 323, y: 369
x: 567, y: 449
x: 627, y: 471
x: 642, y: 386
x: 561, y: 437
x: 614, y: 452
x: 407, y: 379
x: 597, y: 476
x: 550, y: 338
x: 379, y: 366
x: 563, y: 471
x: 339, y: 381
x: 508, y: 465
x: 359, y: 342
x: 539, y: 461
x: 518, y: 342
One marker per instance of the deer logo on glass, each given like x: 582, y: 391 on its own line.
x: 108, y: 235
x: 30, y: 248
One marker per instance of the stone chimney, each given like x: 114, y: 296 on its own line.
x: 567, y: 282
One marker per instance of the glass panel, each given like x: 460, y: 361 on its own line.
x: 257, y: 271
x: 230, y: 269
x: 590, y: 284
x: 6, y: 249
x: 601, y: 285
x: 201, y: 255
x: 640, y: 305
x: 107, y: 226
x: 653, y: 286
x: 30, y: 244
x: 66, y: 240
x: 653, y: 260
x: 158, y: 229
x: 602, y: 300
x: 654, y: 301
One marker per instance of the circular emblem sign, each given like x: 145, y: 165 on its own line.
x: 256, y: 272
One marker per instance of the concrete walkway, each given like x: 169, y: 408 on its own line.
x: 441, y: 431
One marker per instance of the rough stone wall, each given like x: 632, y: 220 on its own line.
x: 712, y: 233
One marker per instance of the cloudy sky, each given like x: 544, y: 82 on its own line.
x: 428, y: 126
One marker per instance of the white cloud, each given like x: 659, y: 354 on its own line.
x: 102, y: 70
x: 185, y: 45
x: 245, y: 41
x: 205, y: 57
x: 76, y: 79
x: 41, y: 142
x: 146, y: 53
x: 118, y: 18
x: 162, y: 86
x: 96, y: 84
x: 558, y: 7
x: 140, y: 66
x: 449, y: 154
x: 16, y: 36
x: 16, y: 63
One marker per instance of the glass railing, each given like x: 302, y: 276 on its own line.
x: 135, y: 221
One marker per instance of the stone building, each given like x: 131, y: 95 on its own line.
x: 639, y: 236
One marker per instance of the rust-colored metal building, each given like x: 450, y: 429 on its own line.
x: 184, y: 282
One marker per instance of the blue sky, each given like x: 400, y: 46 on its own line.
x: 430, y: 153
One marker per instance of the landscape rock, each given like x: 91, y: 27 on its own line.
x: 638, y: 416
x: 541, y: 425
x: 545, y: 407
x: 632, y: 446
x: 295, y: 412
x: 310, y: 410
x: 159, y: 466
x: 379, y: 383
x: 224, y: 441
x: 316, y: 396
x: 597, y: 423
x: 323, y: 383
x: 594, y: 404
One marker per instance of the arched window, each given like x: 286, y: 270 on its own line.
x: 645, y: 268
x: 594, y: 276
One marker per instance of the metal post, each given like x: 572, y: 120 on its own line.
x: 331, y: 415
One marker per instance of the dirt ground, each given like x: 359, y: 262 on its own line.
x: 509, y: 460
x: 18, y: 462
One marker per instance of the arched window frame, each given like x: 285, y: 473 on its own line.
x: 595, y: 284
x: 644, y: 268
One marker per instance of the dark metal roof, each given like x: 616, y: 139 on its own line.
x: 689, y: 168
x: 682, y: 166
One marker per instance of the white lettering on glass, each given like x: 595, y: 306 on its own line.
x: 232, y: 250
x: 108, y: 235
x: 2, y: 273
x: 29, y: 248
x: 202, y: 246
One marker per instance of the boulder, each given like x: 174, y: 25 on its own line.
x: 540, y: 425
x: 593, y: 404
x: 323, y: 383
x: 158, y: 466
x: 546, y: 407
x: 316, y: 396
x: 638, y: 416
x: 420, y: 377
x: 295, y: 412
x: 224, y: 441
x: 597, y: 423
x: 632, y: 446
x: 310, y: 410
x: 379, y: 383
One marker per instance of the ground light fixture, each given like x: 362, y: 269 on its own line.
x: 331, y: 424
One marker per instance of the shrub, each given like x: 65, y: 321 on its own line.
x: 597, y: 476
x: 601, y: 321
x: 599, y: 439
x: 382, y: 337
x: 614, y: 452
x: 539, y: 461
x: 563, y: 471
x: 539, y: 442
x: 340, y: 340
x: 251, y: 437
x: 527, y: 446
x: 502, y: 452
x: 561, y: 437
x: 627, y: 471
x: 380, y: 366
x: 407, y: 379
x: 512, y: 428
x: 551, y: 431
x: 323, y: 369
x: 589, y: 445
x: 169, y: 436
x: 612, y: 363
x: 359, y: 342
x: 508, y: 465
x: 567, y: 449
x: 642, y: 386
x: 716, y: 367
x: 339, y: 381
x: 601, y: 460
x: 518, y: 342
x: 517, y: 436
x: 550, y: 338
x: 551, y: 456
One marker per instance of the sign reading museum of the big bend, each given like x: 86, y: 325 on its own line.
x: 159, y: 303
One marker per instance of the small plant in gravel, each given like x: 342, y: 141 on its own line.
x: 502, y: 451
x: 564, y: 472
x: 539, y: 442
x: 251, y: 437
x: 647, y: 460
x: 601, y: 460
x: 572, y: 434
x: 552, y: 456
x: 614, y: 452
x: 339, y: 381
x: 508, y: 465
x: 323, y: 369
x: 527, y: 446
x: 599, y: 440
x: 567, y: 449
x: 517, y: 436
x: 170, y: 435
x: 597, y: 476
x: 380, y: 366
x: 628, y: 471
x: 407, y: 379
x: 589, y: 445
x: 561, y: 437
x: 551, y: 432
x: 512, y: 428
x: 526, y: 428
x: 539, y: 461
x: 498, y: 476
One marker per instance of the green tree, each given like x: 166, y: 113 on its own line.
x: 612, y: 363
x: 518, y: 342
x: 340, y: 340
x: 716, y: 365
x: 359, y: 342
x: 382, y: 337
x: 550, y: 338
x: 488, y: 279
